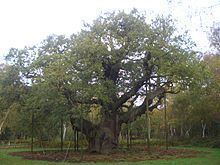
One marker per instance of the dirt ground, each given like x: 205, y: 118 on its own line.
x: 138, y: 153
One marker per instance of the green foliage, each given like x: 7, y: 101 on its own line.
x: 102, y: 64
x: 199, y: 106
x: 6, y: 134
x: 205, y: 142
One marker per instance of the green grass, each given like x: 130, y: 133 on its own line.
x: 211, y: 158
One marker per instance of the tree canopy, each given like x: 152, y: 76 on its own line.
x: 110, y: 63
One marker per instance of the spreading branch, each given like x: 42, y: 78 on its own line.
x: 134, y: 112
x: 128, y: 95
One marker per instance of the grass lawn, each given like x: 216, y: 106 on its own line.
x: 211, y: 158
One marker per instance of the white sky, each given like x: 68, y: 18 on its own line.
x: 27, y: 22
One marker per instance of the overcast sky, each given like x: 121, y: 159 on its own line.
x: 27, y: 22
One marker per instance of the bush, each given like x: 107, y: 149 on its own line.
x: 6, y: 134
x: 206, y: 142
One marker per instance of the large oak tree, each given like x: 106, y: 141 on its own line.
x: 108, y: 65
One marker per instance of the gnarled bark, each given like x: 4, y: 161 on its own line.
x: 102, y: 138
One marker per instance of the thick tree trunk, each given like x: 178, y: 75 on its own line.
x: 102, y: 138
x: 105, y: 138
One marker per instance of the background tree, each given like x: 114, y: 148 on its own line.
x: 214, y: 38
x: 12, y: 94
